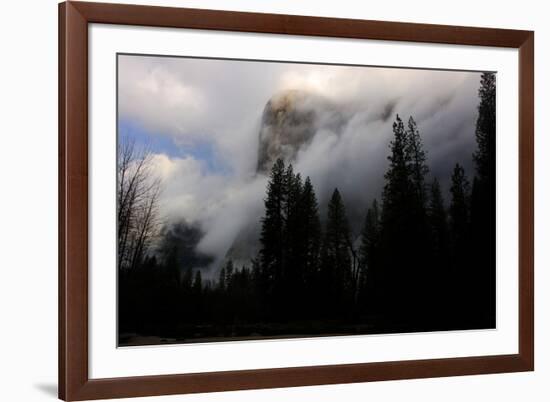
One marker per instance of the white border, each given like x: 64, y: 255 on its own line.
x: 106, y: 360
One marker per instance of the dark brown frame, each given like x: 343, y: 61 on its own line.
x: 74, y: 383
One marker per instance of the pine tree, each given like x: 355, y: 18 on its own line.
x: 197, y: 282
x: 229, y: 270
x: 484, y: 156
x: 272, y: 232
x: 280, y: 254
x: 311, y: 226
x: 458, y: 211
x: 337, y: 237
x: 404, y: 196
x: 416, y: 159
x: 461, y: 247
x: 290, y: 283
x: 257, y: 287
x: 221, y: 280
x: 292, y: 248
x: 394, y: 223
x: 187, y: 279
x: 443, y: 296
x: 307, y: 256
x: 402, y: 275
x: 420, y: 231
x: 483, y: 207
x: 292, y: 192
x: 397, y: 187
x: 336, y: 259
x: 368, y: 254
x: 438, y: 224
x: 370, y: 234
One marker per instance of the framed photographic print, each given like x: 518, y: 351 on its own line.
x: 259, y: 200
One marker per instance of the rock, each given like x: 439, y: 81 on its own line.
x: 290, y: 120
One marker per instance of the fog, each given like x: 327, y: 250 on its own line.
x: 218, y: 106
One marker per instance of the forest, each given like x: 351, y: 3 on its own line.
x: 423, y: 261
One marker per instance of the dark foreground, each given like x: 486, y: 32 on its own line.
x: 263, y: 331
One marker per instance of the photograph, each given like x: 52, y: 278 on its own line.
x: 273, y: 199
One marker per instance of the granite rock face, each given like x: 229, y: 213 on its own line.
x: 289, y: 122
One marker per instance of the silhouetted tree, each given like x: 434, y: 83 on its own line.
x: 272, y: 238
x: 307, y: 241
x: 336, y: 258
x: 221, y: 280
x: 441, y: 273
x: 293, y: 265
x: 458, y: 211
x: 138, y: 191
x: 311, y: 228
x: 403, y: 275
x: 416, y: 159
x: 229, y: 268
x: 439, y: 226
x: 483, y: 210
x: 484, y: 156
x: 197, y: 282
x: 398, y: 187
x: 422, y: 279
x: 459, y: 222
x: 368, y: 256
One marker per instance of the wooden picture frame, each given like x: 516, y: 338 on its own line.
x: 74, y: 381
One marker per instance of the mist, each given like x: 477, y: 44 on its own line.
x: 205, y: 121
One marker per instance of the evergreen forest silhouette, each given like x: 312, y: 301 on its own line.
x: 423, y: 261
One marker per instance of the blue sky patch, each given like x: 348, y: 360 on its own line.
x: 204, y: 151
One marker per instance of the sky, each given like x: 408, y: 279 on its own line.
x: 202, y: 119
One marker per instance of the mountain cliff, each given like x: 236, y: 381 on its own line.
x: 289, y: 122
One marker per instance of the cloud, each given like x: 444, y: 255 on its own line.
x: 153, y: 95
x: 220, y: 102
x: 221, y: 206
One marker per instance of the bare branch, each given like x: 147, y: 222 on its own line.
x: 138, y: 194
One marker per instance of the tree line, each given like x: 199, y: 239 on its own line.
x: 417, y: 263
